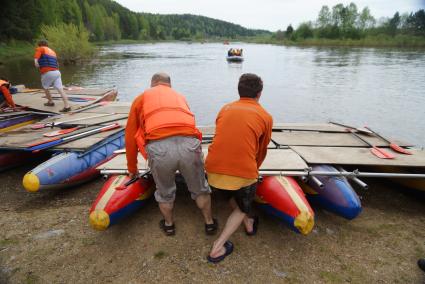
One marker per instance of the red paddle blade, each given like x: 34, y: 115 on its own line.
x: 399, y: 149
x: 59, y: 132
x: 381, y: 153
x: 38, y: 126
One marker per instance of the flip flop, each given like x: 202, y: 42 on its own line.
x: 229, y: 249
x: 254, y: 227
x: 65, y: 109
x: 49, y: 104
x: 169, y: 230
x: 211, y: 229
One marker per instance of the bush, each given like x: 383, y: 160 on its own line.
x: 69, y: 41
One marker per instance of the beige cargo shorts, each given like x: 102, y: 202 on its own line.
x: 177, y: 153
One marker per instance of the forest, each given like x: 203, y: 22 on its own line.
x: 347, y: 25
x: 107, y: 20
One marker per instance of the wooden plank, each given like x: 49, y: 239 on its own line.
x: 302, y: 138
x: 357, y: 156
x: 277, y: 159
x: 309, y: 127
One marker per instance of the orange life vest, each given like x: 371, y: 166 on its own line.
x: 163, y: 107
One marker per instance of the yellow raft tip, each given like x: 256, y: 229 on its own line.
x: 99, y: 220
x: 304, y: 222
x: 31, y: 182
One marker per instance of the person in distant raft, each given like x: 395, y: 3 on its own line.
x: 5, y: 96
x: 162, y: 127
x: 46, y: 60
x: 239, y: 147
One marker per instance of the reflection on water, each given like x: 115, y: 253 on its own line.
x: 378, y: 87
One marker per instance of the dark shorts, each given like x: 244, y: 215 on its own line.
x: 243, y: 197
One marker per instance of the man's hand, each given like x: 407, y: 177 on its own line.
x: 131, y: 175
x: 36, y: 63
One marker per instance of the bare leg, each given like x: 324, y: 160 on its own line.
x: 48, y: 96
x: 166, y: 209
x: 233, y: 222
x: 248, y: 222
x: 203, y: 201
x: 64, y: 97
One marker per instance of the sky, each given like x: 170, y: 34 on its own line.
x: 266, y: 14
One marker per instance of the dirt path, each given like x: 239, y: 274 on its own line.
x: 45, y: 238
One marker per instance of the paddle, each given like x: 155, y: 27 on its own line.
x: 52, y: 124
x: 361, y: 130
x: 133, y: 180
x: 378, y: 152
x: 58, y: 141
x: 393, y: 145
x: 72, y: 128
x: 94, y: 105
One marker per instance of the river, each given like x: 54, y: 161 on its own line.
x: 381, y: 88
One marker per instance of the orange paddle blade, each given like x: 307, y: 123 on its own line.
x: 381, y: 153
x: 60, y: 132
x: 399, y: 149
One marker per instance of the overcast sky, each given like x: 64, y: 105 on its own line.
x: 266, y: 14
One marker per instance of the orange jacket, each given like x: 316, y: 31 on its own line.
x: 158, y: 113
x: 46, y: 58
x: 4, y: 90
x: 243, y: 132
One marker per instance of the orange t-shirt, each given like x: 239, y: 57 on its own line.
x: 39, y: 51
x: 7, y: 96
x: 135, y: 122
x: 243, y: 132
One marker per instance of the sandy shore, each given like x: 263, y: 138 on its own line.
x: 46, y: 238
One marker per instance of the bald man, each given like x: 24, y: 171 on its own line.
x: 162, y: 128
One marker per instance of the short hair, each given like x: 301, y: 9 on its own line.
x: 249, y: 85
x: 43, y: 42
x: 160, y: 77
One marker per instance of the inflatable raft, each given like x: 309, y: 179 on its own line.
x: 11, y: 123
x: 234, y: 58
x: 72, y: 168
x: 116, y: 200
x: 336, y: 195
x: 283, y: 198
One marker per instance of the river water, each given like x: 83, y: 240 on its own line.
x: 381, y: 88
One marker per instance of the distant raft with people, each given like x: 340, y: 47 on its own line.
x: 235, y: 55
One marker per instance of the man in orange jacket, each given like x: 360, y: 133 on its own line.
x: 46, y: 61
x: 162, y: 127
x: 5, y: 96
x: 243, y: 131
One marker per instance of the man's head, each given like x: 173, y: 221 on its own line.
x: 43, y: 42
x: 250, y: 86
x: 160, y: 78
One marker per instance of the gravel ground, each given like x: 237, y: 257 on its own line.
x: 45, y: 238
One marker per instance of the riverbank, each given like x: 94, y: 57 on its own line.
x: 46, y: 238
x: 14, y: 49
x: 382, y: 41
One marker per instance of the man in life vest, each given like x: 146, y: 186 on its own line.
x: 239, y: 147
x: 5, y: 96
x: 46, y: 61
x: 161, y: 126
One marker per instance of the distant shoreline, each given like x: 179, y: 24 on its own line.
x: 25, y: 49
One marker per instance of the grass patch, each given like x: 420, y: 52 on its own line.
x: 31, y: 278
x: 14, y: 49
x: 331, y: 277
x: 6, y: 242
x: 160, y: 254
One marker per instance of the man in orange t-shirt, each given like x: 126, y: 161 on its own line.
x: 5, y: 96
x: 46, y: 61
x: 243, y: 132
x: 162, y: 127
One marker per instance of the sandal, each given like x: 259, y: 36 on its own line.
x: 228, y: 246
x: 254, y: 227
x: 168, y: 230
x: 211, y: 229
x: 49, y: 104
x: 65, y: 109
